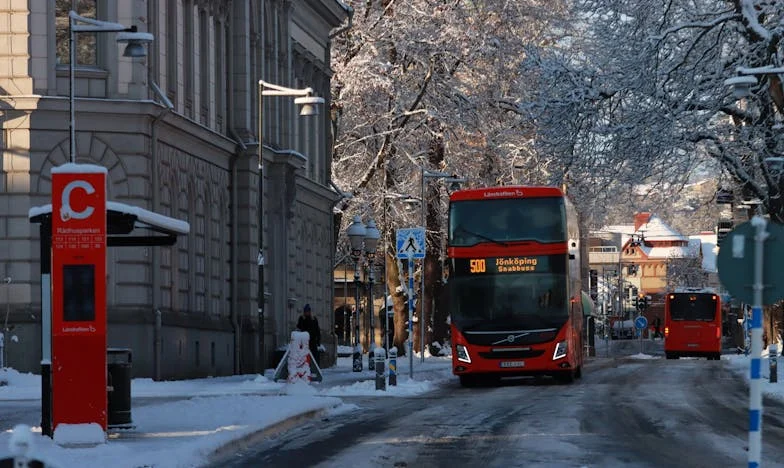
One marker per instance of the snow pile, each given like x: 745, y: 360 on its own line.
x: 79, y: 434
x: 643, y: 356
x: 19, y: 386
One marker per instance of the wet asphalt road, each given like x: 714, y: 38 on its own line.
x: 623, y: 412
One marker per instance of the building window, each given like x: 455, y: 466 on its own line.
x: 86, y: 43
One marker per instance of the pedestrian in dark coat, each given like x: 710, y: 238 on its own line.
x: 308, y: 323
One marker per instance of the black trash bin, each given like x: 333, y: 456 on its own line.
x: 118, y: 390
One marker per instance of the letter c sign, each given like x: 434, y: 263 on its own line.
x: 66, y: 212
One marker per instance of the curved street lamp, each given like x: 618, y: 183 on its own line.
x: 134, y: 48
x: 308, y: 106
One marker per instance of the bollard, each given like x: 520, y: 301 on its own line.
x: 381, y: 380
x: 393, y: 366
x: 772, y: 351
x: 357, y: 359
x: 371, y: 361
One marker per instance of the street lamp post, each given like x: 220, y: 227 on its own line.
x: 425, y: 174
x: 371, y: 242
x: 309, y: 105
x: 78, y: 24
x: 356, y: 235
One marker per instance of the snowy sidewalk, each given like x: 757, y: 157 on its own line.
x: 196, y: 418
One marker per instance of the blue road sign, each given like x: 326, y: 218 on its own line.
x: 411, y: 243
x: 641, y: 322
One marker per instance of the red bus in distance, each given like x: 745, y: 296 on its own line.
x: 514, y: 284
x: 692, y: 323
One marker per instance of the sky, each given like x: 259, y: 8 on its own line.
x: 207, y: 414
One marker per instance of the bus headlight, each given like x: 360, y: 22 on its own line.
x: 560, y: 350
x: 462, y: 354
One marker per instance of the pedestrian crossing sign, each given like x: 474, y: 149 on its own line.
x: 411, y: 243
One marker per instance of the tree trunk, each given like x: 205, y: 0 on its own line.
x: 399, y: 303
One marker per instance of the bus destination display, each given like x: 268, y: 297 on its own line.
x: 511, y: 264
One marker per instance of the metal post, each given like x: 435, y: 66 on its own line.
x: 157, y: 342
x: 410, y: 317
x: 641, y: 330
x: 384, y: 263
x: 381, y: 379
x: 3, y: 356
x: 45, y: 231
x: 260, y: 260
x: 755, y: 382
x: 357, y: 355
x: 422, y: 324
x: 393, y: 366
x: 72, y: 116
x: 346, y: 320
x: 372, y: 342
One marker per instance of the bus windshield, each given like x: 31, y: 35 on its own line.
x: 515, y: 291
x: 699, y: 307
x: 515, y: 219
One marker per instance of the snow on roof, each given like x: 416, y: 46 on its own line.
x: 73, y: 168
x: 150, y: 218
x: 657, y: 230
x: 709, y: 250
x: 685, y: 251
x: 143, y: 216
x: 619, y: 228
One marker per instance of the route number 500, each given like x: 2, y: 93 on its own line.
x: 478, y: 265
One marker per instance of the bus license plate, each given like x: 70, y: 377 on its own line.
x: 513, y: 364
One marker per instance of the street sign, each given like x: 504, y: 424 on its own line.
x: 736, y: 263
x: 641, y: 323
x: 411, y: 243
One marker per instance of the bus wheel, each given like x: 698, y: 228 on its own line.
x: 468, y: 381
x: 671, y: 356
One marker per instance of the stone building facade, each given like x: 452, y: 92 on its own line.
x: 178, y: 132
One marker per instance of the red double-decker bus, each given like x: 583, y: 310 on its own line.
x: 692, y: 323
x: 514, y: 284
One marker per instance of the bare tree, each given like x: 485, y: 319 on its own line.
x: 433, y: 85
x: 638, y: 93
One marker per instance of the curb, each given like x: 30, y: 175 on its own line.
x: 229, y: 448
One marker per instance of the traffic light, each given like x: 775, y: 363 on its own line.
x: 641, y: 301
x: 593, y: 280
x: 636, y: 302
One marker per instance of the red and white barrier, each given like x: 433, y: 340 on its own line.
x: 298, y: 364
x: 299, y: 357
